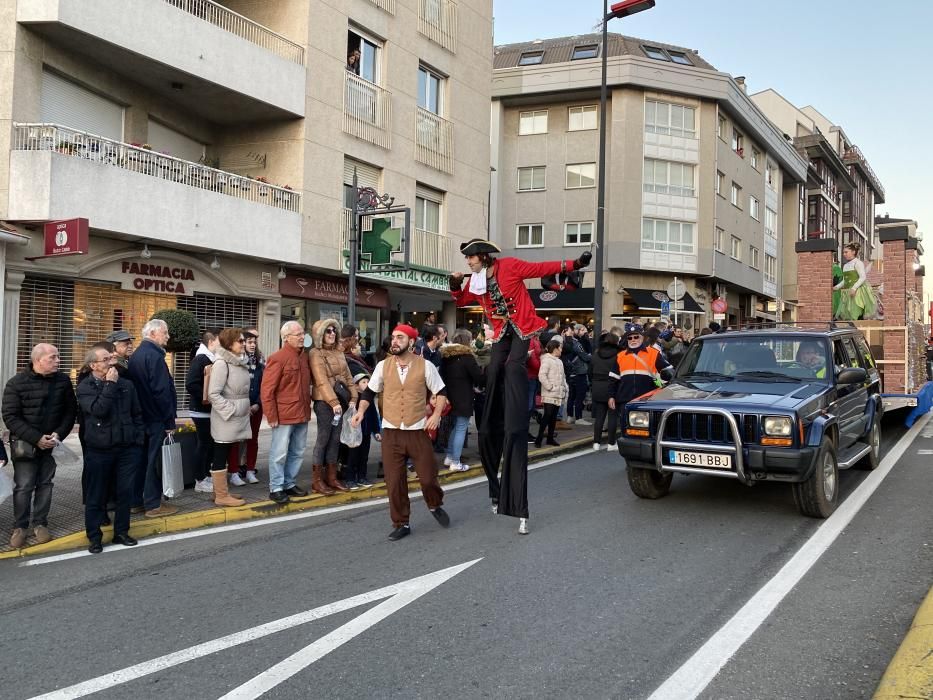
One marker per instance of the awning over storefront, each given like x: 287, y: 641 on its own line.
x: 650, y: 300
x: 566, y: 299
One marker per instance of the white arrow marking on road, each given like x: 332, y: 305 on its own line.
x: 399, y: 594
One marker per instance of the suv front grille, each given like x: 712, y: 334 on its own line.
x: 705, y: 428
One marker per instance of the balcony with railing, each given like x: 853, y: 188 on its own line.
x: 427, y: 250
x: 387, y: 5
x: 59, y: 173
x: 854, y: 156
x: 367, y: 111
x: 438, y: 20
x: 434, y: 141
x: 214, y: 61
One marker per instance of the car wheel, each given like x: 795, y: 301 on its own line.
x: 818, y: 496
x: 873, y: 458
x: 648, y: 483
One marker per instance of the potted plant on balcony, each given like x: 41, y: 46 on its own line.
x: 263, y: 188
x: 283, y: 197
x: 67, y: 147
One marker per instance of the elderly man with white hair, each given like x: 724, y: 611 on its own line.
x: 286, y: 400
x: 39, y: 409
x: 156, y: 392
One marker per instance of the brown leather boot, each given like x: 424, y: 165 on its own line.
x: 317, y: 481
x: 222, y: 495
x: 332, y: 480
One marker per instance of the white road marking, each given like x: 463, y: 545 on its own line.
x: 925, y: 452
x: 399, y: 594
x: 700, y: 669
x: 245, y: 525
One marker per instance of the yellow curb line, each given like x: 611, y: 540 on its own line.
x: 181, y: 522
x: 910, y: 673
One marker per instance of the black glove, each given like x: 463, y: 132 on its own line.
x: 455, y: 283
x: 583, y: 260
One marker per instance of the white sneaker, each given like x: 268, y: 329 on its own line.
x: 459, y: 467
x: 251, y: 477
x: 570, y: 420
x: 583, y: 421
x: 610, y: 447
x: 205, y: 485
x: 597, y: 446
x: 495, y: 509
x: 448, y: 461
x: 523, y: 526
x: 236, y: 480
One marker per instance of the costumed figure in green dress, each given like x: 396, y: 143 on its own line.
x: 856, y: 297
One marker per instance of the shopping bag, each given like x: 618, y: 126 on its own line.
x: 350, y: 436
x: 6, y: 486
x: 173, y: 474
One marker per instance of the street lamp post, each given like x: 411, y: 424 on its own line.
x: 619, y: 9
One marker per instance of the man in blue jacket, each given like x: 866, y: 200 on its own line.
x: 156, y: 392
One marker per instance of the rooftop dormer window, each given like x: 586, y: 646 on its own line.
x: 585, y: 51
x: 531, y: 58
x: 680, y: 57
x: 655, y: 53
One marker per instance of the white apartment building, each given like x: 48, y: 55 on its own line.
x: 693, y: 187
x: 211, y: 145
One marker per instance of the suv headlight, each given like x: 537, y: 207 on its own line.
x: 638, y: 419
x: 778, y: 426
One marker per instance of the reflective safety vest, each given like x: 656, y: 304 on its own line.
x: 645, y: 365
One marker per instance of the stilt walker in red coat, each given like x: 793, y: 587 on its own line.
x: 498, y: 286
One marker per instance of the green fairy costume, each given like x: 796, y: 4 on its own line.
x: 863, y: 304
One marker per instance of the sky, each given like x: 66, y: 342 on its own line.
x: 864, y: 65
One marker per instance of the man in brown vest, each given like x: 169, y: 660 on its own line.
x: 405, y: 380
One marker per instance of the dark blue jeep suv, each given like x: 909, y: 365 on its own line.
x: 784, y: 404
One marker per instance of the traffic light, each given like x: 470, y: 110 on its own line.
x: 629, y: 7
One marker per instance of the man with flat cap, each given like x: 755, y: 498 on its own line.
x: 122, y: 349
x: 498, y: 285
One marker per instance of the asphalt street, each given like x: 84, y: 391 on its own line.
x: 606, y: 597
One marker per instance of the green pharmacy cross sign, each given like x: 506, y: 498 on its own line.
x: 383, y: 240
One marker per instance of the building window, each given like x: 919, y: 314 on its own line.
x: 756, y: 154
x: 667, y: 236
x: 578, y: 233
x: 736, y: 197
x: 430, y: 90
x: 531, y: 58
x: 529, y: 236
x: 428, y: 205
x: 770, y: 268
x: 753, y: 257
x: 736, y: 250
x: 738, y: 142
x: 368, y: 65
x: 587, y: 51
x: 753, y: 207
x: 665, y: 177
x: 770, y: 222
x: 720, y: 183
x: 721, y: 128
x: 581, y: 118
x: 666, y: 118
x: 719, y: 239
x: 655, y: 53
x: 531, y: 179
x: 769, y: 175
x: 581, y: 175
x: 680, y: 57
x: 532, y: 122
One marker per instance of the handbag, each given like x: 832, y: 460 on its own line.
x: 173, y: 475
x: 20, y: 449
x: 207, y: 380
x: 343, y: 394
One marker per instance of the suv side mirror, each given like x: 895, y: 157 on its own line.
x: 852, y: 375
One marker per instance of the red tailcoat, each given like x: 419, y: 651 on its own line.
x: 510, y: 274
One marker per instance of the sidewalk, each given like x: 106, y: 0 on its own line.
x: 66, y: 518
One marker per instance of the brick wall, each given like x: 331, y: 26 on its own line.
x: 815, y: 285
x: 898, y: 277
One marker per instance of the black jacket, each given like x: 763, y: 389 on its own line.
x: 111, y: 415
x: 603, y: 362
x: 35, y: 405
x: 576, y: 360
x: 154, y: 386
x: 194, y: 383
x: 460, y: 374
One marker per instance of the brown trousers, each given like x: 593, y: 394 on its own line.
x: 396, y: 446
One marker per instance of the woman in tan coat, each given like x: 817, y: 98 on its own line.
x: 332, y: 391
x: 553, y: 390
x: 228, y: 392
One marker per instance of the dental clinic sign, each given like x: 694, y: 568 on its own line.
x: 68, y: 237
